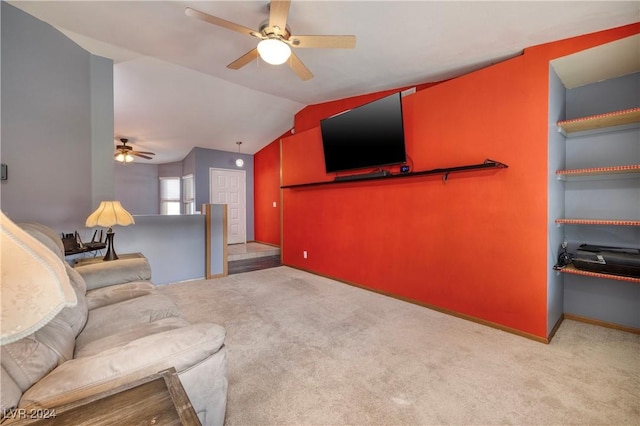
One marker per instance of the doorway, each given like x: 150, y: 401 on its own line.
x: 229, y: 187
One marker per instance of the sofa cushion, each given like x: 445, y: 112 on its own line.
x: 10, y: 393
x: 58, y: 336
x: 30, y: 358
x: 27, y: 361
x: 122, y: 316
x: 46, y: 236
x: 127, y: 336
x: 76, y: 316
x: 181, y: 348
x: 117, y: 293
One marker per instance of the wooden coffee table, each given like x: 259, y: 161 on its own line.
x: 159, y: 399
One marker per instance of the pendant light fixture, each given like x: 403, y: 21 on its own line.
x: 239, y: 161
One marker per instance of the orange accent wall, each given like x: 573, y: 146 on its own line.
x: 476, y: 244
x: 311, y: 115
x: 266, y: 172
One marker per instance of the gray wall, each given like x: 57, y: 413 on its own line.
x: 207, y: 158
x: 57, y: 111
x: 174, y: 245
x: 555, y: 190
x: 137, y: 187
x: 609, y: 95
x: 171, y: 170
x: 135, y: 183
x: 189, y: 164
x: 102, y: 178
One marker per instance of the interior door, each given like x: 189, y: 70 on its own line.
x: 229, y: 187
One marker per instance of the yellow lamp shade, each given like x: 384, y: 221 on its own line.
x: 108, y: 214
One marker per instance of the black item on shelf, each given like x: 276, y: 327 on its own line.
x: 71, y: 242
x: 97, y: 244
x: 564, y: 258
x: 372, y: 175
x: 608, y: 260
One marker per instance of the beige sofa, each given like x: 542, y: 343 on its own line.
x: 121, y: 330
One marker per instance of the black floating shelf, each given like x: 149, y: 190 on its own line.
x: 488, y: 164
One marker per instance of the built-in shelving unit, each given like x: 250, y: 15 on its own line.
x: 605, y: 122
x: 617, y: 121
x: 593, y: 188
x: 487, y: 164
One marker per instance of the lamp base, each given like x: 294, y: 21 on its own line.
x: 111, y: 253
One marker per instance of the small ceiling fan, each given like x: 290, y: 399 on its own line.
x: 124, y: 153
x: 276, y: 39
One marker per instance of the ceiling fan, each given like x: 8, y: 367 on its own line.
x: 276, y: 39
x: 124, y: 153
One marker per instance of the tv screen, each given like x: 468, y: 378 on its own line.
x: 371, y: 135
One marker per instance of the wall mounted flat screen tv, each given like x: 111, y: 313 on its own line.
x: 371, y: 135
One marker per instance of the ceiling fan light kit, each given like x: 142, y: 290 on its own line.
x: 274, y: 51
x: 124, y: 158
x: 125, y: 153
x: 276, y: 39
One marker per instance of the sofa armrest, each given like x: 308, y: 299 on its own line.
x: 102, y: 274
x: 180, y: 348
x: 118, y: 293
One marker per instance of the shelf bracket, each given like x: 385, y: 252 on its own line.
x: 445, y: 177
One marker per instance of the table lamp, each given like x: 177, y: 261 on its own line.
x: 33, y: 282
x: 109, y: 214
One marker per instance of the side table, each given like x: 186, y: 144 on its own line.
x: 156, y: 400
x: 92, y: 260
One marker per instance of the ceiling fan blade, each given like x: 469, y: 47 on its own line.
x: 218, y: 21
x: 142, y: 152
x: 324, y: 41
x: 278, y: 14
x: 243, y: 60
x: 299, y: 68
x: 137, y: 154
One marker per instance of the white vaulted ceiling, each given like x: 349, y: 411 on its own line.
x: 173, y: 90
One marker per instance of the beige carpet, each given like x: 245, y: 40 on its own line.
x: 306, y: 350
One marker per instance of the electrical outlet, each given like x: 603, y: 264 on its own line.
x: 304, y: 254
x: 274, y: 204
